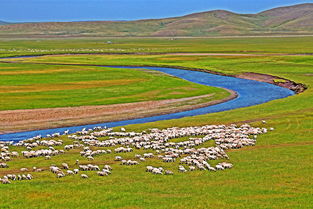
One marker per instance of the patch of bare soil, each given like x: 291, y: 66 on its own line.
x: 34, y: 119
x: 296, y: 87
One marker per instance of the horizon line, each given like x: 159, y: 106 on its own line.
x: 145, y: 19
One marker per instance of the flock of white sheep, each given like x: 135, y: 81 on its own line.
x: 79, y: 50
x: 192, y: 154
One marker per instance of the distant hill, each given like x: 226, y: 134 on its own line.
x: 297, y: 19
x: 3, y: 23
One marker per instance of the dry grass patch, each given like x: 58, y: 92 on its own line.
x: 20, y: 120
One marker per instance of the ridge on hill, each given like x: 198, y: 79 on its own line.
x: 297, y: 19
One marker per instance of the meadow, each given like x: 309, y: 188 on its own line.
x: 46, y: 86
x: 262, y: 45
x: 276, y: 173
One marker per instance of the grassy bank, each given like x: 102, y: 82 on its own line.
x: 44, y: 86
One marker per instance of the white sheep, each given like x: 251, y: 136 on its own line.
x: 65, y: 166
x: 69, y: 172
x: 102, y: 173
x: 84, y: 176
x: 107, y: 167
x: 29, y: 177
x: 168, y: 172
x: 24, y: 169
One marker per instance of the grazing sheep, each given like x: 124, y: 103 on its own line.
x: 65, y: 166
x: 5, y: 181
x: 102, y: 173
x: 190, y: 153
x: 107, y: 171
x: 182, y: 169
x: 129, y: 162
x: 14, y: 154
x: 148, y: 155
x: 149, y: 169
x: 69, y: 172
x: 84, y: 176
x: 157, y: 171
x: 211, y: 168
x: 107, y: 167
x: 68, y: 147
x: 226, y: 165
x: 93, y: 167
x: 90, y: 158
x: 168, y: 172
x: 29, y: 177
x: 60, y: 175
x: 118, y: 158
x: 24, y: 169
x: 3, y: 165
x: 219, y: 167
x: 55, y: 169
x: 83, y: 167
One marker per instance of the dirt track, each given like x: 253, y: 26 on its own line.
x: 34, y: 119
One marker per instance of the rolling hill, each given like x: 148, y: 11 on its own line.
x: 3, y: 23
x: 297, y: 19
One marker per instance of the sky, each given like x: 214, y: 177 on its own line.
x: 77, y: 10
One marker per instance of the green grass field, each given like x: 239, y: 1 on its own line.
x: 276, y: 173
x: 264, y: 45
x: 44, y: 86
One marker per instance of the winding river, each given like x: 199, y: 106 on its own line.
x: 249, y: 93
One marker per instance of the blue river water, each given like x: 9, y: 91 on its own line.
x: 249, y: 93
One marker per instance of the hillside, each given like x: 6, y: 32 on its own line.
x: 297, y: 19
x: 3, y: 23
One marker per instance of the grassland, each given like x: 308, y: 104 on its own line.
x: 256, y: 45
x: 277, y: 173
x: 46, y: 86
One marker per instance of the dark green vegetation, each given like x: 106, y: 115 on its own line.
x: 285, y: 20
x: 276, y: 173
x: 45, y: 86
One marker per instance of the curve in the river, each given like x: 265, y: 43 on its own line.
x: 249, y: 93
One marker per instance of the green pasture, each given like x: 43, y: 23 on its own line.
x: 276, y: 173
x: 263, y: 45
x: 295, y: 68
x: 43, y: 86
